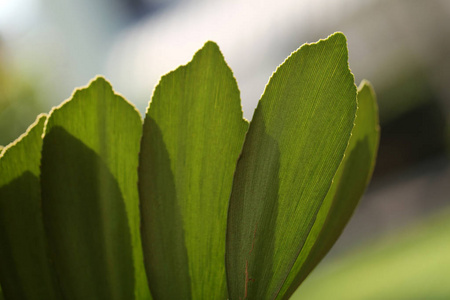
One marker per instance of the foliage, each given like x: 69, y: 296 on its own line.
x: 195, y: 203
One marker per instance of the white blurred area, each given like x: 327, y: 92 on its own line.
x: 63, y: 44
x: 17, y: 16
x: 255, y: 37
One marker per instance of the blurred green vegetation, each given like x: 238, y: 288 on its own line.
x: 19, y: 103
x: 409, y: 264
x: 411, y: 89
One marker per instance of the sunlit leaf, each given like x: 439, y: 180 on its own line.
x: 293, y: 148
x: 90, y: 197
x: 348, y: 186
x: 25, y: 272
x: 193, y: 134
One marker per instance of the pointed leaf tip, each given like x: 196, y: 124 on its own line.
x: 211, y: 44
x: 99, y: 79
x: 212, y: 50
x: 365, y: 84
x: 338, y: 35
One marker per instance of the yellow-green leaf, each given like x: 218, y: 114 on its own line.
x: 348, y: 186
x: 90, y: 197
x: 293, y: 148
x: 193, y: 134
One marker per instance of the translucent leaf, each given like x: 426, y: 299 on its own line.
x: 193, y: 134
x: 348, y: 186
x: 293, y: 148
x: 90, y: 196
x: 25, y: 272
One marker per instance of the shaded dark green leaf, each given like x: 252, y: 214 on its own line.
x: 90, y: 197
x: 25, y: 272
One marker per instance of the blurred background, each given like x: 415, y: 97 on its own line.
x: 397, y: 245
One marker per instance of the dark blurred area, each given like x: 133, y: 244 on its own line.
x: 49, y: 47
x: 414, y: 132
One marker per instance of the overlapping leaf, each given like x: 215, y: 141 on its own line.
x: 193, y: 134
x: 24, y: 269
x: 293, y: 148
x: 90, y: 197
x: 347, y: 188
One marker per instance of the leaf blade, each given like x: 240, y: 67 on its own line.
x: 348, y: 186
x: 193, y: 133
x: 25, y: 272
x: 263, y: 223
x: 90, y: 198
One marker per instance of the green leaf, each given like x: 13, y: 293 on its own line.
x: 293, y: 148
x: 348, y: 186
x: 90, y: 197
x: 193, y: 134
x: 25, y: 272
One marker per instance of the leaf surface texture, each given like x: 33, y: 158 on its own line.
x: 348, y: 186
x: 293, y: 148
x: 90, y: 197
x: 193, y: 134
